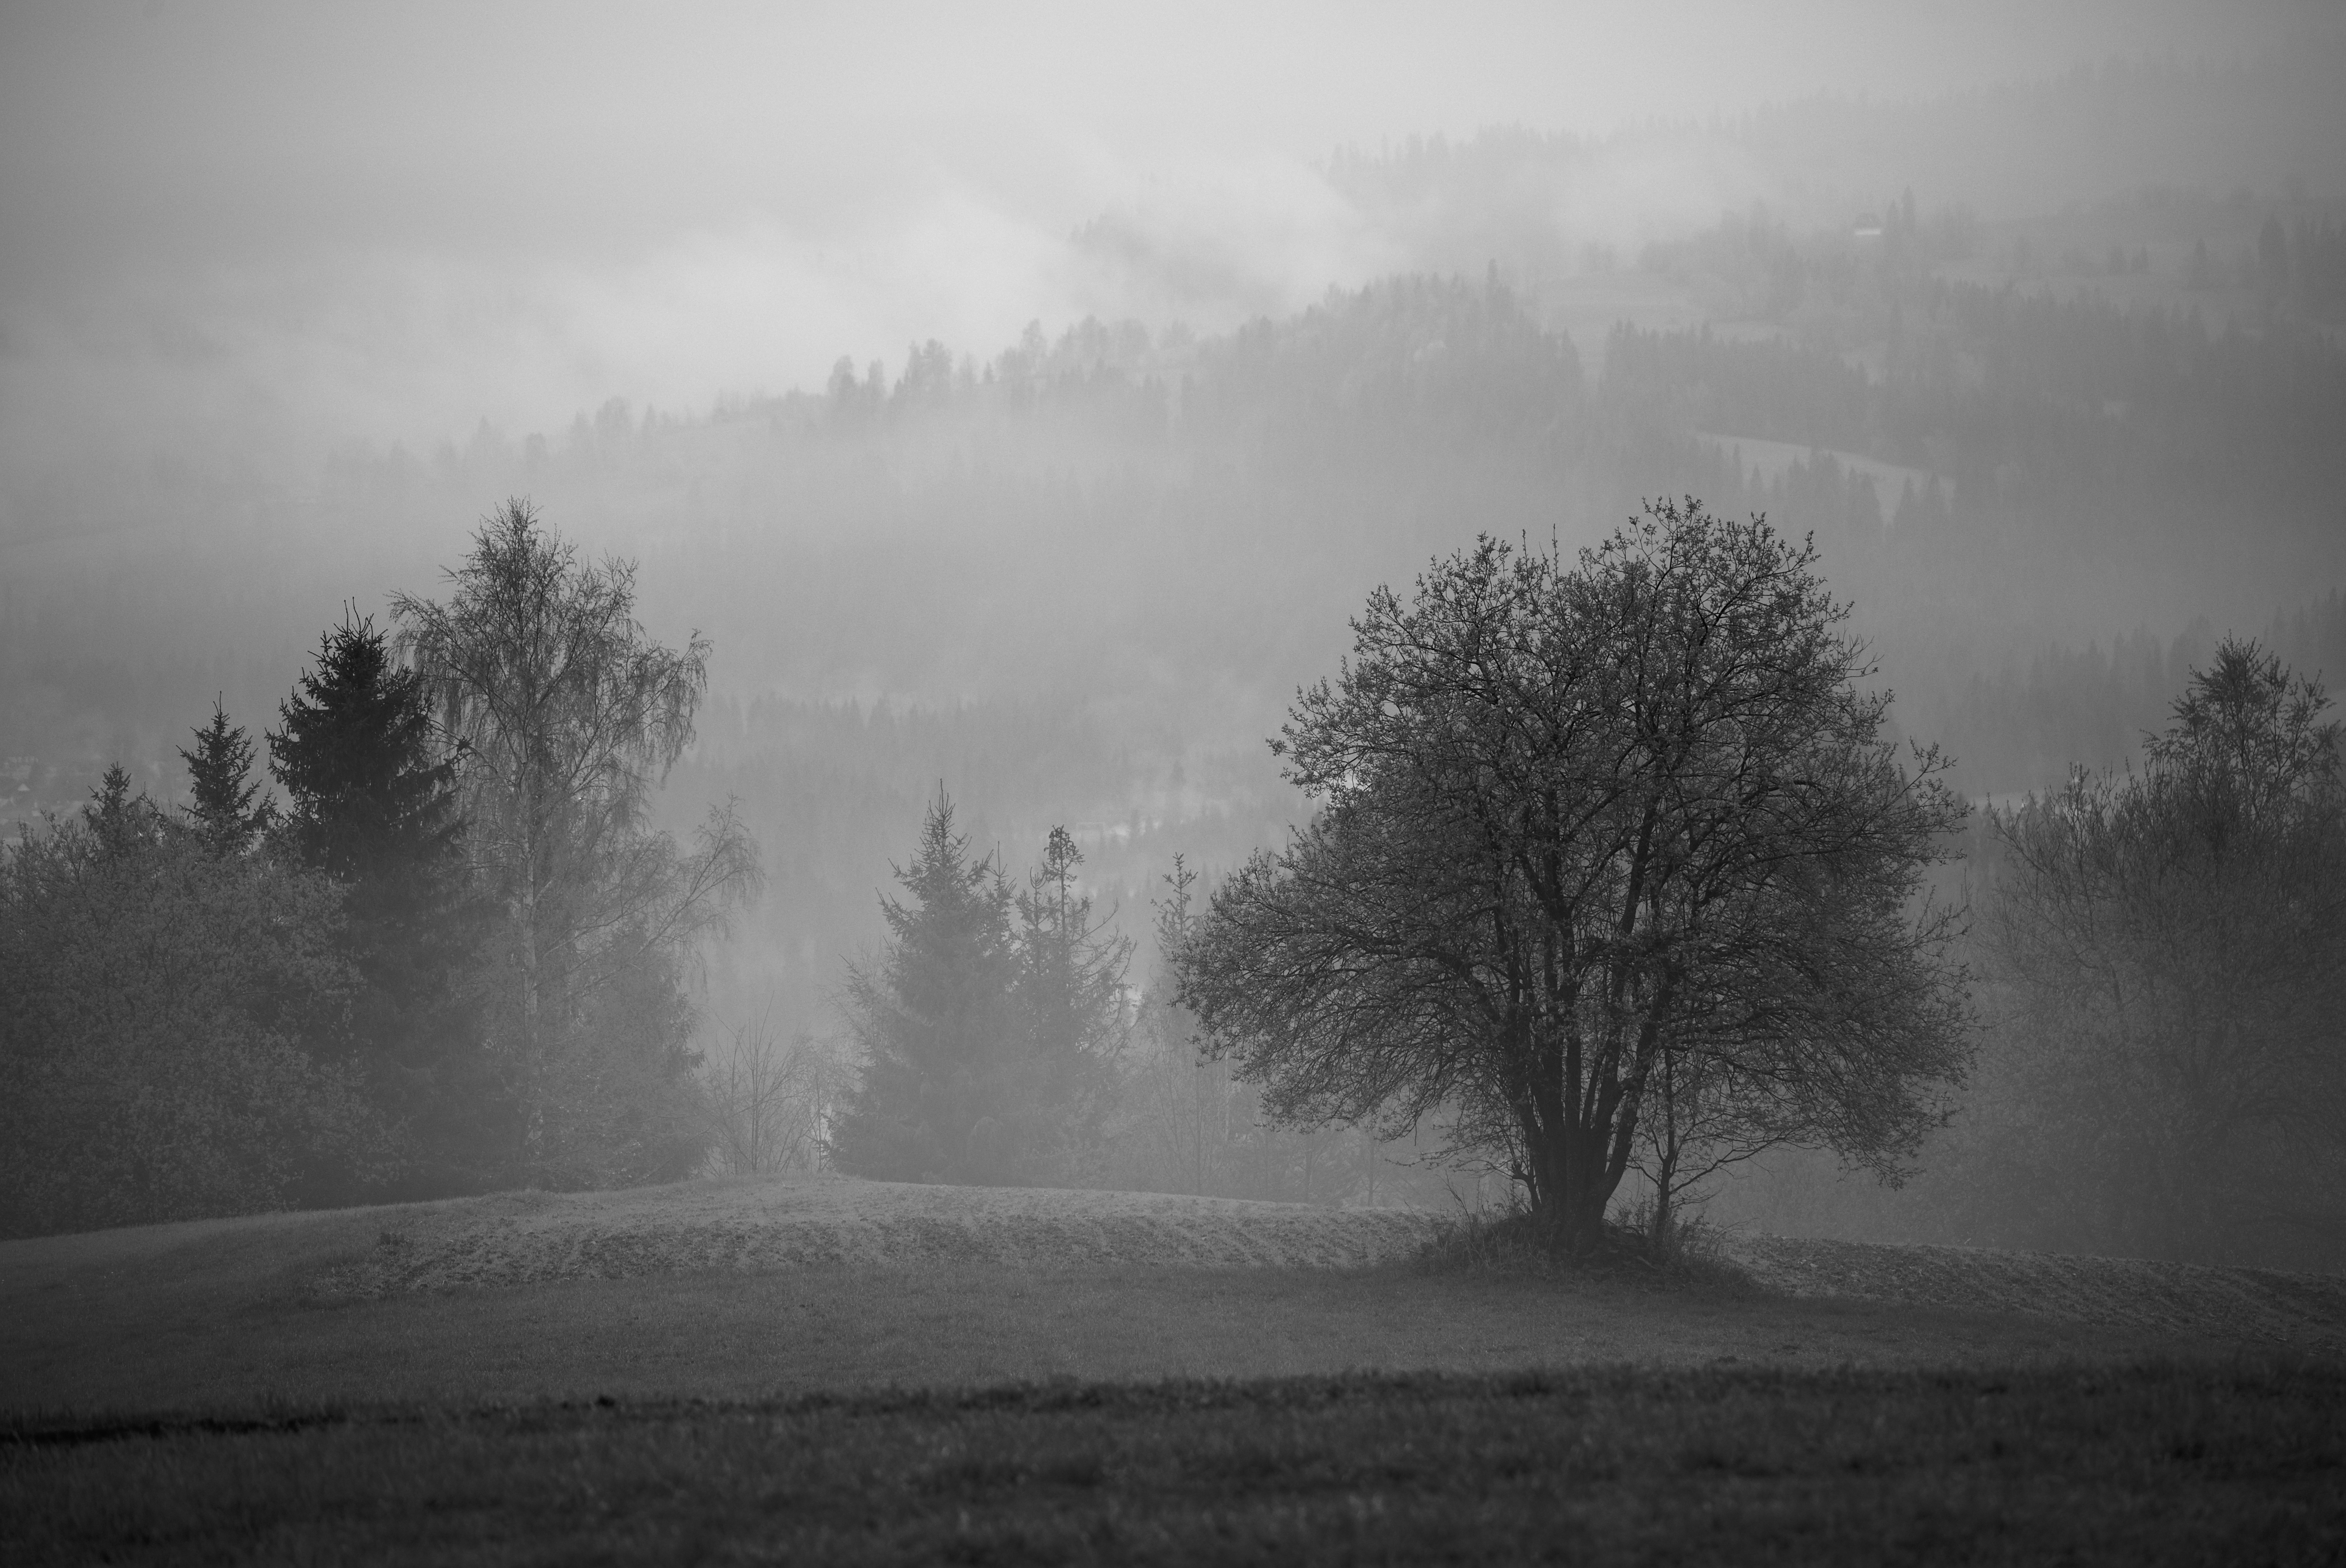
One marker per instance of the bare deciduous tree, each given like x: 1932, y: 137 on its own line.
x: 566, y: 715
x: 1584, y: 829
x: 771, y: 1102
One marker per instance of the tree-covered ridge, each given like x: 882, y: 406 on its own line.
x: 2081, y: 469
x: 1080, y: 580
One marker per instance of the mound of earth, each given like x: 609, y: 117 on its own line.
x: 762, y: 1224
x: 2307, y: 1309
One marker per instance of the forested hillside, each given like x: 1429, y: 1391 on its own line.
x: 1076, y: 582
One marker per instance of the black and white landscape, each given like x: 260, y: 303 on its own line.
x: 1112, y: 784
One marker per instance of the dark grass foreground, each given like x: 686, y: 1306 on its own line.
x: 2161, y: 1462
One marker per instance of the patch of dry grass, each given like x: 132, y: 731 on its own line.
x: 2131, y: 1464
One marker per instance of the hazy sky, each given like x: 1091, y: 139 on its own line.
x: 393, y: 221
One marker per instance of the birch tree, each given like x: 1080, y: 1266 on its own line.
x: 566, y: 715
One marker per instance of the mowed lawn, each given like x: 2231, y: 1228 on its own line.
x: 192, y: 1394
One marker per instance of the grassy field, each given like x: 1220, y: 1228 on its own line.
x: 2118, y: 1464
x: 298, y: 1388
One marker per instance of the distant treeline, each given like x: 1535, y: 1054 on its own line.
x: 1093, y: 512
x: 1077, y: 582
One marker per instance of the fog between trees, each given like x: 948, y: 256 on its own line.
x: 2053, y: 450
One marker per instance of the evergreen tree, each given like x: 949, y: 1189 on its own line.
x: 935, y: 1019
x: 222, y: 811
x: 991, y: 1027
x: 120, y: 822
x: 373, y: 805
x: 373, y: 802
x: 1071, y: 991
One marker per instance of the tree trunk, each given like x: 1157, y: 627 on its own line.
x: 1569, y: 1189
x: 533, y: 1040
x: 533, y: 1053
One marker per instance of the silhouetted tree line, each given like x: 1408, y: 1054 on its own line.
x: 2161, y: 947
x: 2169, y: 948
x: 2056, y: 404
x: 2095, y: 707
x: 452, y: 958
x: 2082, y: 455
x: 991, y: 1027
x: 994, y: 1039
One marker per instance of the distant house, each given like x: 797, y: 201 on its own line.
x: 1869, y: 225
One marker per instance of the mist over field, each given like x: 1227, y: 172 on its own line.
x: 1154, y: 784
x: 1021, y: 406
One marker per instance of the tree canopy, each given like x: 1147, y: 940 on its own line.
x: 566, y: 714
x: 990, y: 1026
x: 1586, y: 832
x: 2170, y: 945
x: 372, y: 803
x: 170, y: 1016
x: 220, y: 768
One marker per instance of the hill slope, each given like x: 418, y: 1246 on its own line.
x: 764, y: 1226
x: 534, y: 1237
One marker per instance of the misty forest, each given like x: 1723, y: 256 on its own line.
x: 1423, y: 790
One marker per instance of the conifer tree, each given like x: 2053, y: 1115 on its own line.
x: 372, y: 804
x: 120, y: 822
x: 991, y: 1026
x: 1071, y: 989
x: 219, y: 774
x: 936, y: 1023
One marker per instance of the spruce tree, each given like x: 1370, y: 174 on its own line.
x: 372, y: 803
x: 372, y: 800
x: 1071, y: 995
x: 118, y: 820
x: 937, y: 1022
x: 220, y: 775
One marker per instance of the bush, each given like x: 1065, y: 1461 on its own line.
x: 169, y: 1030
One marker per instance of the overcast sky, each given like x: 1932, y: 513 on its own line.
x: 392, y: 221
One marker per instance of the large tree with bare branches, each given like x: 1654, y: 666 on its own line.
x: 565, y: 715
x: 1597, y: 841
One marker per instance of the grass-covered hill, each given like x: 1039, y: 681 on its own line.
x: 855, y: 1372
x: 860, y: 1283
